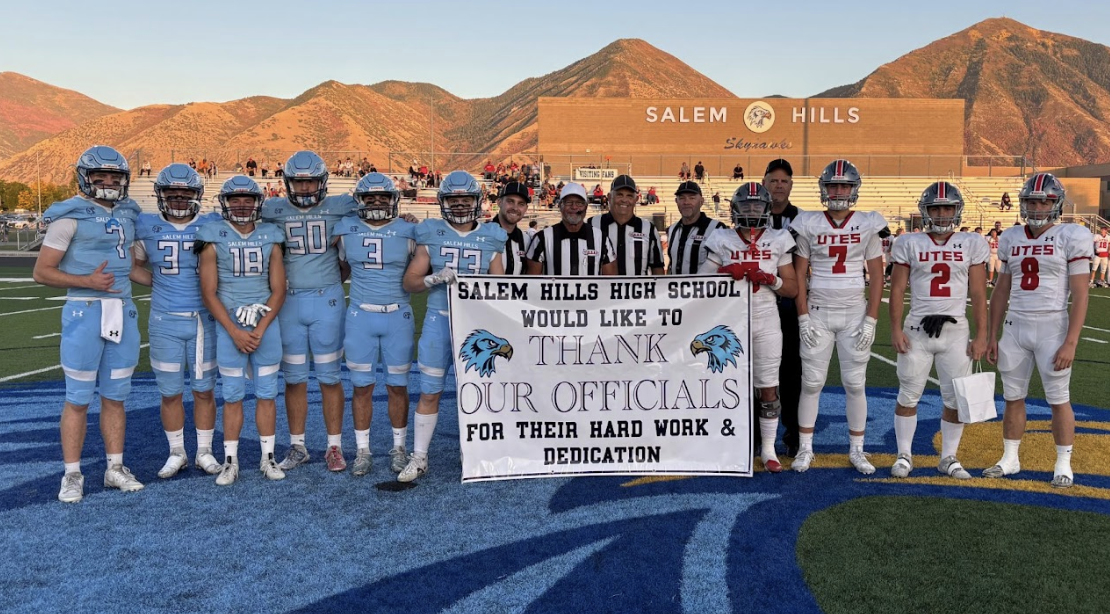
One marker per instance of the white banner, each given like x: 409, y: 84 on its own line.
x: 602, y: 376
x: 595, y: 174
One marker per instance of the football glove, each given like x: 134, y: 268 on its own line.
x: 865, y: 334
x: 934, y: 324
x: 807, y: 331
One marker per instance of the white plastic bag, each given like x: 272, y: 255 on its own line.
x: 975, y: 396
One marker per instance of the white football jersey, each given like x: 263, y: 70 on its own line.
x: 993, y: 243
x: 769, y: 250
x: 837, y: 255
x: 1102, y: 246
x: 1040, y: 267
x: 939, y: 271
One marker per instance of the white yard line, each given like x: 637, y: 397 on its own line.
x: 47, y: 336
x: 43, y: 370
x: 1101, y: 330
x: 895, y: 364
x: 22, y: 287
x: 59, y: 298
x: 15, y: 279
x: 1095, y: 340
x: 19, y: 298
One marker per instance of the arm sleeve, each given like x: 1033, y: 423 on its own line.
x: 60, y: 233
x: 140, y: 250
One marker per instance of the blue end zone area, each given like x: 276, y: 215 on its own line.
x: 319, y: 541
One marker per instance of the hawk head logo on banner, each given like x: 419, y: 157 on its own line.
x: 722, y: 346
x: 479, y: 350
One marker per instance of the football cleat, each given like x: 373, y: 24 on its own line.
x: 398, y: 458
x: 176, y: 462
x: 206, y: 462
x: 73, y: 488
x: 802, y: 461
x: 270, y: 469
x: 364, y: 461
x: 334, y: 458
x: 416, y: 467
x: 858, y: 458
x: 951, y: 467
x: 294, y: 456
x: 1001, y: 469
x: 1059, y: 480
x: 118, y: 476
x: 903, y: 466
x: 229, y: 472
x: 772, y: 465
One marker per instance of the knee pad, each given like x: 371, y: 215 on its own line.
x: 770, y: 409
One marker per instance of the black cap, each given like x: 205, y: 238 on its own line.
x: 515, y: 187
x: 688, y: 186
x: 778, y: 164
x: 623, y: 181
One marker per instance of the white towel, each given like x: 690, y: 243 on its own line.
x: 111, y: 319
x: 198, y: 368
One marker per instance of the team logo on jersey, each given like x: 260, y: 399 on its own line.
x: 481, y: 348
x: 157, y: 229
x: 722, y: 346
x: 441, y: 232
x: 759, y: 117
x: 223, y: 233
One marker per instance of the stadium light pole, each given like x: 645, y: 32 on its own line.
x: 432, y: 130
x: 38, y: 171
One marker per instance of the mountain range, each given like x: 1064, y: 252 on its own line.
x: 1029, y: 92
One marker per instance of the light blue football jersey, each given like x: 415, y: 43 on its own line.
x: 378, y: 256
x: 311, y: 261
x: 103, y: 234
x: 169, y: 250
x: 469, y: 253
x: 243, y: 262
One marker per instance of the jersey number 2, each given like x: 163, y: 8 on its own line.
x: 939, y: 285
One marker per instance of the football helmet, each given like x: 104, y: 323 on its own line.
x: 305, y: 165
x: 1042, y: 187
x: 178, y: 177
x: 240, y: 185
x: 100, y: 158
x: 373, y: 184
x: 751, y: 206
x: 941, y: 193
x: 839, y: 172
x: 459, y: 183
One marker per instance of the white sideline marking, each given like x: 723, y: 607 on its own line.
x: 44, y: 370
x: 894, y: 364
x: 19, y: 298
x: 1095, y: 340
x: 1101, y: 330
x: 22, y: 287
x: 59, y: 298
x: 47, y: 336
x: 15, y: 279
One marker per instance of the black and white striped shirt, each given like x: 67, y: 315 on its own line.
x: 513, y: 256
x: 570, y: 253
x: 635, y: 244
x: 685, y: 244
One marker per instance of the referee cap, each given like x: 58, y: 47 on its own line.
x: 573, y: 189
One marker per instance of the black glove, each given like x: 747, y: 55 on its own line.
x: 934, y: 324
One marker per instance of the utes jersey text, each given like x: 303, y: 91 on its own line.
x: 837, y: 254
x: 1040, y: 267
x: 939, y: 271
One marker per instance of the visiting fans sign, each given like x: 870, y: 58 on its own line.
x: 602, y: 376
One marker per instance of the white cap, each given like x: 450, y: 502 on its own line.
x: 573, y: 189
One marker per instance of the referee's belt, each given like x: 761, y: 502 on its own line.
x: 390, y: 308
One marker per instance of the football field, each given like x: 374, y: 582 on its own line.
x: 828, y: 540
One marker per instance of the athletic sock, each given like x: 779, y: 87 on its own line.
x: 805, y: 442
x: 399, y: 436
x: 296, y: 440
x: 1010, y: 452
x: 362, y: 439
x: 335, y: 440
x: 267, y: 442
x: 1063, y: 461
x: 73, y: 467
x: 768, y: 430
x: 855, y: 443
x: 950, y: 434
x: 904, y: 429
x: 204, y: 438
x: 424, y: 428
x: 231, y: 448
x: 115, y: 459
x: 176, y: 439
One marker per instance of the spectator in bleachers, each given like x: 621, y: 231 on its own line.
x: 1005, y: 204
x: 684, y: 172
x: 598, y: 196
x: 202, y: 167
x: 717, y: 203
x: 145, y: 169
x: 279, y: 172
x: 348, y: 167
x: 213, y: 170
x: 252, y: 166
x: 265, y: 168
x: 500, y: 168
x: 513, y: 168
x: 193, y: 163
x: 652, y: 196
x: 978, y: 230
x: 488, y: 170
x: 738, y: 172
x: 699, y: 171
x: 373, y: 168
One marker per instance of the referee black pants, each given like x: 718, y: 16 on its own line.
x: 790, y: 371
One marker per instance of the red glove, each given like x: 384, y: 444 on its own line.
x: 736, y: 270
x: 761, y: 278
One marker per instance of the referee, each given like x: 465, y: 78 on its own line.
x: 635, y: 241
x: 570, y: 247
x: 685, y: 237
x: 779, y: 180
x: 512, y: 205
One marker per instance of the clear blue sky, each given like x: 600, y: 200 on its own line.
x: 131, y: 53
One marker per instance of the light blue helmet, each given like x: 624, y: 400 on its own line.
x: 104, y: 159
x: 459, y: 183
x: 377, y: 183
x: 240, y: 185
x: 178, y: 177
x: 306, y: 165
